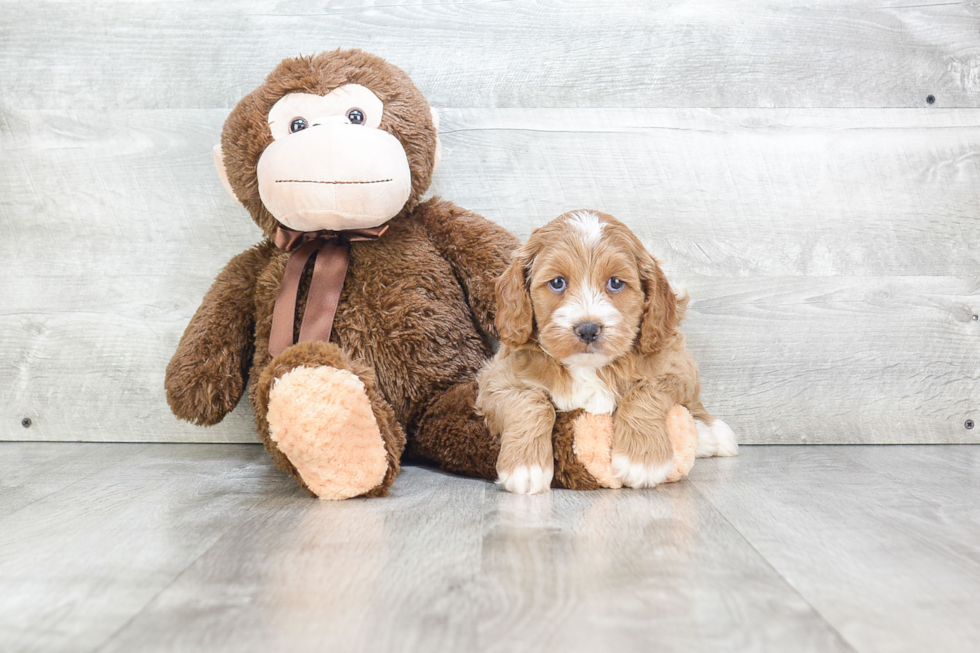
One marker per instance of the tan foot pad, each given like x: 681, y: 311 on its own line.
x: 321, y: 419
x: 593, y: 447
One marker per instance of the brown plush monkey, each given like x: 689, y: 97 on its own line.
x: 364, y: 315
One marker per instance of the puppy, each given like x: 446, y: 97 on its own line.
x: 588, y: 320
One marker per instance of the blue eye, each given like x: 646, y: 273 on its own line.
x: 297, y: 125
x: 356, y: 117
x: 615, y: 284
x: 557, y: 284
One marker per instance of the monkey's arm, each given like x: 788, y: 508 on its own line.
x: 477, y: 249
x: 207, y: 374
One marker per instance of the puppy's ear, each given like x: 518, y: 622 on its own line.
x: 660, y: 315
x: 515, y: 316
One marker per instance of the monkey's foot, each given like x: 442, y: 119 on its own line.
x: 593, y: 447
x: 321, y: 419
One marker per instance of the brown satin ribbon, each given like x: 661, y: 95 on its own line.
x: 329, y: 271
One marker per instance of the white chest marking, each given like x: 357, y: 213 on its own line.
x: 587, y: 392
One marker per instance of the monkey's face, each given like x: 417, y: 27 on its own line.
x: 339, y: 140
x: 330, y: 166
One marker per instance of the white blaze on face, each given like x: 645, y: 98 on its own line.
x: 588, y: 303
x: 330, y: 166
x: 589, y: 226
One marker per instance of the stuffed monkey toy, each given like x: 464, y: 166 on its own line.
x: 363, y: 316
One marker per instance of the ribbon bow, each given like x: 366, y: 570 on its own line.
x: 332, y: 256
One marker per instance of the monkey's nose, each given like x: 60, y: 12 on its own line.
x: 587, y: 331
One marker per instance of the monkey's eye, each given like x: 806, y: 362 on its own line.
x: 557, y: 284
x: 615, y: 284
x: 297, y: 125
x: 356, y: 117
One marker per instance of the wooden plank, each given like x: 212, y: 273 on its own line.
x: 702, y: 53
x: 838, y: 360
x: 76, y: 565
x: 880, y: 558
x: 115, y: 231
x: 946, y: 477
x: 389, y: 574
x: 830, y: 254
x: 203, y: 547
x: 633, y: 571
x: 766, y: 193
x: 442, y: 565
x: 31, y: 471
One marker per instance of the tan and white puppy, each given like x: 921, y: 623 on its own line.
x: 588, y: 320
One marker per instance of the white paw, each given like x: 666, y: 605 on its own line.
x: 527, y: 480
x: 639, y: 475
x: 715, y: 440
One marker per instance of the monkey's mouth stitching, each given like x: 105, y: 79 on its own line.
x: 313, y: 181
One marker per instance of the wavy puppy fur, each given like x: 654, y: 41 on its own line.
x: 588, y: 321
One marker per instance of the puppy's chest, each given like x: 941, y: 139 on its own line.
x: 584, y: 390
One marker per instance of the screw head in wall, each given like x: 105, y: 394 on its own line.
x: 26, y: 422
x: 968, y: 424
x: 976, y: 318
x: 931, y: 99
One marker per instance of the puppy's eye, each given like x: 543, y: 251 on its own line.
x: 557, y: 284
x: 615, y: 284
x: 356, y: 117
x: 297, y: 125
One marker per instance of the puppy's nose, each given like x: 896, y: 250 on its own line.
x: 587, y: 331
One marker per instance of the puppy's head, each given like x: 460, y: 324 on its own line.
x: 585, y: 290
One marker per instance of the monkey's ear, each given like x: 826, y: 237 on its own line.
x: 435, y: 123
x: 219, y: 163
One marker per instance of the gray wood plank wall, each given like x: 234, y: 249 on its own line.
x: 780, y: 158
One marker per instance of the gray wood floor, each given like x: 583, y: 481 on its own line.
x: 180, y: 547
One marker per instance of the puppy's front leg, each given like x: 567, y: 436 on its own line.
x: 525, y: 419
x: 642, y: 454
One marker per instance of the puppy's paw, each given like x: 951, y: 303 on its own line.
x: 637, y: 474
x: 716, y: 440
x: 525, y: 479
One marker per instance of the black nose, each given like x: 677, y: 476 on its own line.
x: 587, y: 331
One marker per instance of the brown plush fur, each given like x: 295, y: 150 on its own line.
x: 416, y: 305
x: 455, y: 436
x: 205, y: 386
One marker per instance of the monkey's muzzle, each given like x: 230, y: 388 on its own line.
x: 334, y: 176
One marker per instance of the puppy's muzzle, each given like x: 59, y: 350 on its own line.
x: 587, y: 332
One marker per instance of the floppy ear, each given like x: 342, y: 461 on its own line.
x: 515, y: 316
x: 660, y: 317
